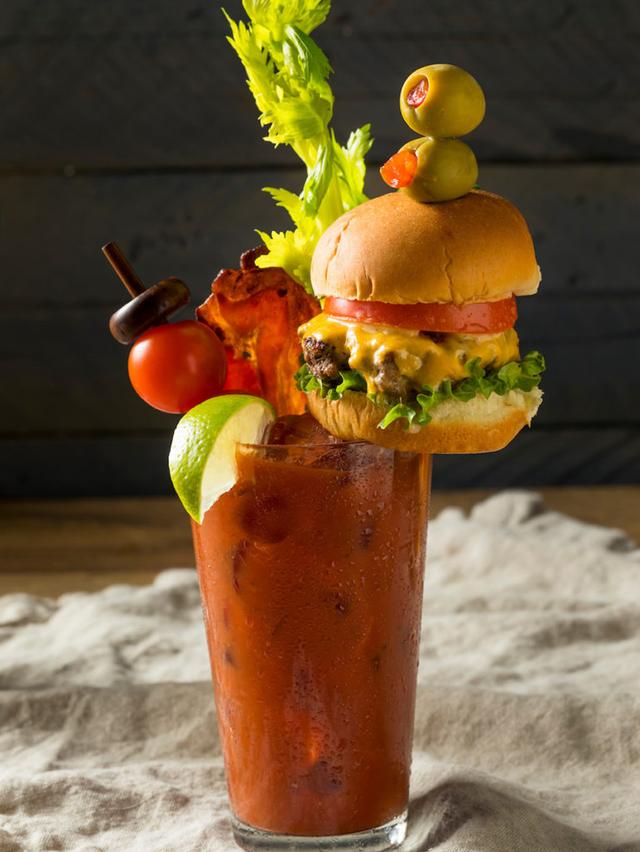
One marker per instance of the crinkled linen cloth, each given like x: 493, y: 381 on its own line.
x: 528, y: 713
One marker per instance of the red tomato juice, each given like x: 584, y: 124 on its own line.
x: 311, y: 572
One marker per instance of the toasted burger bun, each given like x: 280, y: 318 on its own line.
x: 477, y: 426
x: 393, y: 249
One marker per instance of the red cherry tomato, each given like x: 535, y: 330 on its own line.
x: 175, y: 366
x: 473, y: 318
x: 241, y: 376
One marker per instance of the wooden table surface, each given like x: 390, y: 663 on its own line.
x: 56, y: 546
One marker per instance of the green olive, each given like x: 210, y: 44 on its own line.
x: 445, y: 169
x: 442, y: 100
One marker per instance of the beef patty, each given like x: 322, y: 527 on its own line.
x: 326, y: 362
x: 323, y: 359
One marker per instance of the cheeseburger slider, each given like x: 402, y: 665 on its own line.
x: 415, y: 348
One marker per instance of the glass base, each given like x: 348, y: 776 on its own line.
x: 386, y: 836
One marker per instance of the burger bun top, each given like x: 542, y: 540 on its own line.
x: 393, y: 249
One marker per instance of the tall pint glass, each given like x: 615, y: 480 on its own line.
x: 311, y: 572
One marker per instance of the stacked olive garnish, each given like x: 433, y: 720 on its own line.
x: 441, y: 102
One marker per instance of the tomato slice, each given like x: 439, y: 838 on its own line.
x: 472, y: 318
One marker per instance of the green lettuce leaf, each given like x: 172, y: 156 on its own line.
x: 521, y: 375
x: 287, y: 74
x: 351, y: 380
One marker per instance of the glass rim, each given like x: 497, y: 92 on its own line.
x: 304, y: 446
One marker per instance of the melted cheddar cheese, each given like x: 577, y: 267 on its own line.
x: 418, y: 357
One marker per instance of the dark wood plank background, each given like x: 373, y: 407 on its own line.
x: 132, y: 122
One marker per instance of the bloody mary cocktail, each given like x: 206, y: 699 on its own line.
x: 311, y: 572
x: 391, y: 321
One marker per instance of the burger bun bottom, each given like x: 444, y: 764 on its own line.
x: 477, y: 426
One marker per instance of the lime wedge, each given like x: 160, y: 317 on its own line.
x: 202, y: 459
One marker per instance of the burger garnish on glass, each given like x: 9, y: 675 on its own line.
x: 415, y: 348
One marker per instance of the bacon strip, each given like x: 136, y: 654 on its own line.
x: 256, y: 313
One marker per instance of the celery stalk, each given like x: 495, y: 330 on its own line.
x: 287, y: 75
